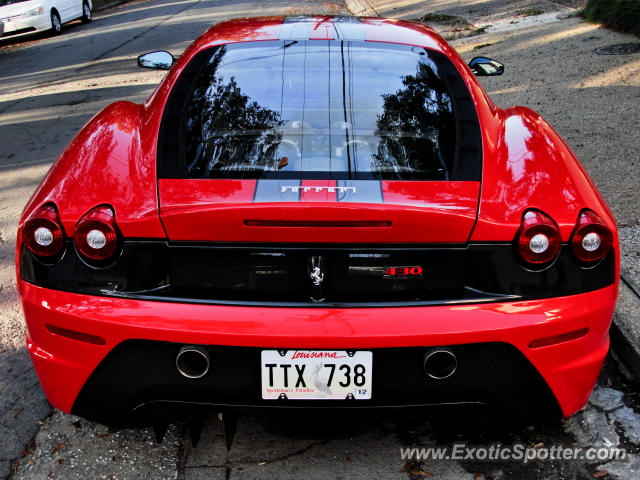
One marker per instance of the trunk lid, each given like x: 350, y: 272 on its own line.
x: 309, y: 211
x: 319, y: 141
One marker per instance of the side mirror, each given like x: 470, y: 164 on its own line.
x: 485, y: 67
x: 160, y: 60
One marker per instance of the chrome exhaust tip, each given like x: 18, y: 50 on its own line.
x: 440, y: 363
x: 193, y: 362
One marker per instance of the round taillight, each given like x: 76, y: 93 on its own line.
x: 43, y: 233
x: 538, y: 240
x: 96, y: 235
x: 591, y: 240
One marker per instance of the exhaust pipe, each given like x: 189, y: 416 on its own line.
x: 193, y: 362
x: 440, y: 363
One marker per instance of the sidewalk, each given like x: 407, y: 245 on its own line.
x: 591, y: 100
x: 477, y: 13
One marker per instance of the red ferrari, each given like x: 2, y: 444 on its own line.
x: 316, y: 212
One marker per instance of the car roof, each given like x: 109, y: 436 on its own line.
x: 327, y: 27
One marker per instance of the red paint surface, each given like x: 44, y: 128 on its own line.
x: 419, y: 212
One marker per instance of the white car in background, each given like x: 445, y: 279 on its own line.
x: 24, y: 17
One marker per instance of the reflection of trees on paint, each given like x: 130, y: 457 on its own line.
x: 417, y: 127
x: 225, y: 130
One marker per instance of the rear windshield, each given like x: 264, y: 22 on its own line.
x: 318, y: 109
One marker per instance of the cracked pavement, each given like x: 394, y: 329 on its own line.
x: 51, y: 86
x: 357, y: 445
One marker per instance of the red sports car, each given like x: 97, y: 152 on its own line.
x: 316, y: 212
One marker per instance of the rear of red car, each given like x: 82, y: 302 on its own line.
x: 327, y: 213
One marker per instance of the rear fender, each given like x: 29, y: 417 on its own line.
x: 532, y: 167
x: 105, y: 163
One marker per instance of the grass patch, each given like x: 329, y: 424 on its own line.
x: 444, y: 19
x: 621, y: 15
x: 532, y: 12
x: 482, y: 45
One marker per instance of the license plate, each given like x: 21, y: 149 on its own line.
x: 316, y: 375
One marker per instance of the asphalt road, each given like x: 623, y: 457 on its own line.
x: 49, y: 87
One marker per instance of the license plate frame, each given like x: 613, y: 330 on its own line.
x: 316, y: 374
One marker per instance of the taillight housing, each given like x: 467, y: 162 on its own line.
x: 591, y: 239
x: 43, y: 233
x: 538, y: 240
x: 96, y: 234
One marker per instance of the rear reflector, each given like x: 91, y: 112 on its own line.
x: 82, y: 337
x: 317, y: 223
x: 564, y: 337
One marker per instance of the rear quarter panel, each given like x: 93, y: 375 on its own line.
x: 106, y: 163
x: 528, y: 165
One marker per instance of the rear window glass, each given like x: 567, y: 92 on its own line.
x: 317, y: 109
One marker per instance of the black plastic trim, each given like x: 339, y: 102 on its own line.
x: 225, y: 274
x: 142, y: 372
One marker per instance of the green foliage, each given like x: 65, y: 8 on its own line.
x: 444, y: 19
x: 622, y: 15
x: 532, y: 12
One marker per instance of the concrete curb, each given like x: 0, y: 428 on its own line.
x: 625, y: 330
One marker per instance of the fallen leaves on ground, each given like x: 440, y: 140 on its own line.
x: 420, y: 473
x: 413, y: 468
x: 57, y: 447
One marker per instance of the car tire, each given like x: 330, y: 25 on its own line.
x: 56, y: 24
x: 86, y: 13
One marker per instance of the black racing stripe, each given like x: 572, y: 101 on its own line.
x: 348, y: 28
x: 277, y: 191
x: 364, y: 191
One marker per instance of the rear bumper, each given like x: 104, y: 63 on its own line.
x: 569, y: 369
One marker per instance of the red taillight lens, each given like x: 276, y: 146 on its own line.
x: 96, y: 235
x: 538, y: 239
x: 591, y: 239
x: 43, y: 233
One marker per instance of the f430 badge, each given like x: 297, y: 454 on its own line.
x: 403, y: 272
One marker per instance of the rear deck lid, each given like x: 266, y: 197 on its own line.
x: 319, y: 141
